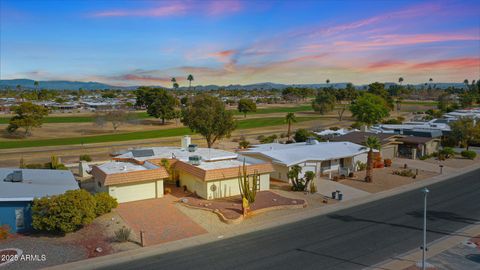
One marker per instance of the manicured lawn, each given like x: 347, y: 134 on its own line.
x: 427, y: 102
x: 144, y: 115
x: 141, y: 135
x: 300, y: 108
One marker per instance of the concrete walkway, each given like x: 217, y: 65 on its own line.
x: 444, y: 253
x: 326, y: 187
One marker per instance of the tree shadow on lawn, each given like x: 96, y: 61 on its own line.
x: 348, y: 218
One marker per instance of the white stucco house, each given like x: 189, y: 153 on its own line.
x: 319, y: 157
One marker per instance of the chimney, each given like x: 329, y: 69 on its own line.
x: 186, y: 141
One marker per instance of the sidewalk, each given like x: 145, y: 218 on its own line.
x: 440, y: 254
x: 126, y: 256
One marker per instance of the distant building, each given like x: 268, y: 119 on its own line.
x: 18, y: 188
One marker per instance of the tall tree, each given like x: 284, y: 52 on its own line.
x: 369, y: 109
x: 246, y: 105
x: 324, y: 102
x: 190, y: 79
x: 28, y: 116
x: 465, y: 131
x: 290, y: 118
x: 371, y: 143
x: 400, y: 80
x: 208, y: 116
x: 160, y: 103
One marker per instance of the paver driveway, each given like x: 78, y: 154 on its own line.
x: 160, y: 219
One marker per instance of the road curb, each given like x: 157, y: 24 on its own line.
x: 126, y: 256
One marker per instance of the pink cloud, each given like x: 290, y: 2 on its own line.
x: 384, y: 64
x: 221, y: 7
x: 400, y: 40
x: 170, y: 9
x: 452, y: 64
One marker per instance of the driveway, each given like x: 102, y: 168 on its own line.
x: 326, y: 187
x: 160, y: 219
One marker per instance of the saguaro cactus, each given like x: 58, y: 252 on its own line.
x: 248, y: 183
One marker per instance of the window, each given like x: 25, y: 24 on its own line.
x: 19, y: 218
x: 326, y: 165
x: 99, y: 184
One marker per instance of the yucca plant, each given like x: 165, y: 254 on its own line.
x: 123, y: 234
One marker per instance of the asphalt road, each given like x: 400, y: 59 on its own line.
x: 354, y: 238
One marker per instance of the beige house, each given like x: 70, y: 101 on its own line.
x: 210, y: 173
x: 129, y: 181
x: 212, y: 180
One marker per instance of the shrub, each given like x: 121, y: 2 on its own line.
x: 351, y: 174
x: 387, y: 162
x: 269, y: 139
x: 334, y: 128
x: 244, y: 144
x: 123, y: 234
x: 63, y: 213
x: 301, y: 135
x: 4, y: 232
x: 405, y: 173
x: 104, y: 203
x: 361, y: 166
x: 313, y: 187
x: 469, y: 154
x: 86, y: 158
x: 34, y: 166
x: 447, y: 152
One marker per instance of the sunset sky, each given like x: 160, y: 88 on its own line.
x: 240, y: 42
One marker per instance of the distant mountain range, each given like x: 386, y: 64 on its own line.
x: 76, y: 85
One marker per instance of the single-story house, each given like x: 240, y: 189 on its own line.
x: 415, y: 147
x: 318, y: 157
x: 128, y: 181
x: 388, y: 140
x: 18, y: 188
x: 212, y: 180
x: 210, y: 173
x: 398, y: 145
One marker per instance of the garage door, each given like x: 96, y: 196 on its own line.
x: 134, y: 192
x: 388, y: 152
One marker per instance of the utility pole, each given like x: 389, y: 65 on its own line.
x: 425, y: 192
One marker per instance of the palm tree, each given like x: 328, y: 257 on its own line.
x: 371, y: 143
x: 175, y: 86
x: 290, y: 118
x: 174, y: 81
x: 328, y: 81
x: 400, y: 80
x: 466, y: 84
x: 190, y: 79
x: 36, y: 85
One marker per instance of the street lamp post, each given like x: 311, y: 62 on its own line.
x: 425, y: 192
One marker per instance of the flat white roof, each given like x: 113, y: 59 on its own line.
x: 124, y: 167
x: 229, y: 163
x: 295, y: 153
x: 207, y: 154
x: 36, y: 183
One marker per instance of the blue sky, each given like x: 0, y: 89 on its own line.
x: 229, y: 42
